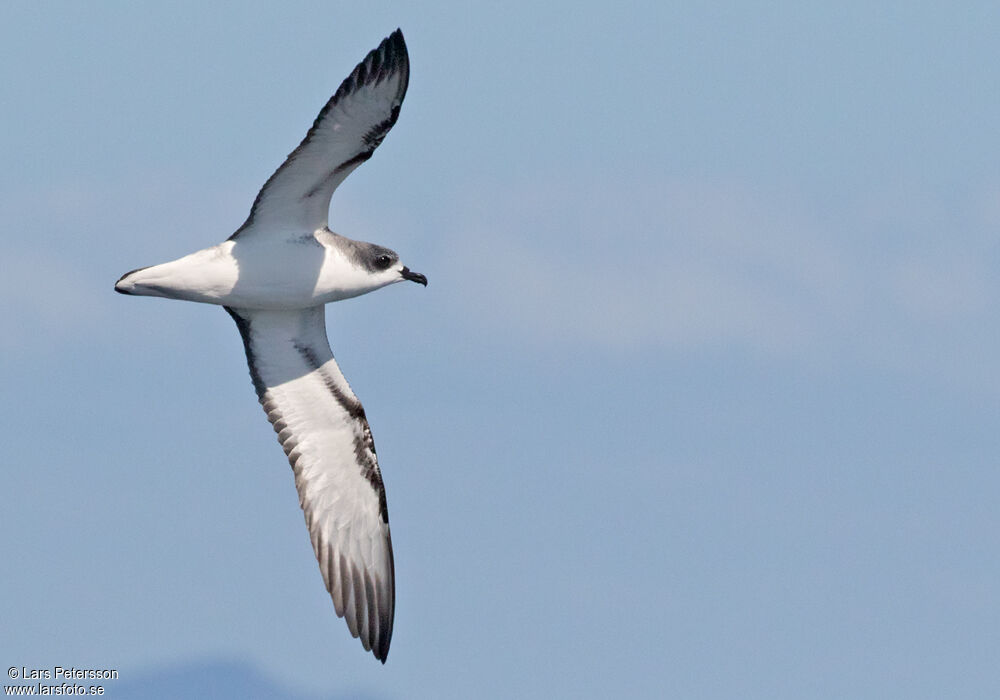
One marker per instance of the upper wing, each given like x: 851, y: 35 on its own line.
x: 323, y: 430
x: 296, y: 198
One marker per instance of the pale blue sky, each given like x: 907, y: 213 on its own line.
x: 701, y: 401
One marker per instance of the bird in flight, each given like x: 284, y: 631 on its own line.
x: 274, y: 276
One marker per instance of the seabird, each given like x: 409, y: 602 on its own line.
x: 274, y: 276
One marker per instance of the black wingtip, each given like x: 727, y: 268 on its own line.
x: 388, y: 58
x: 393, y: 57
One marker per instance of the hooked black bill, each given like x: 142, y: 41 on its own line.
x: 413, y: 276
